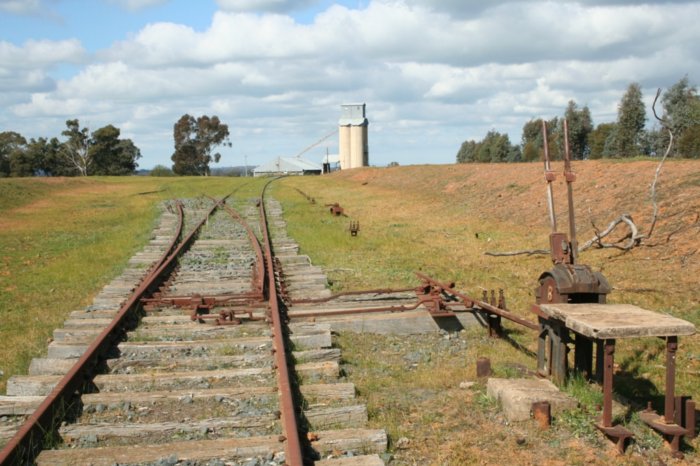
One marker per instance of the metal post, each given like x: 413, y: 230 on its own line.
x: 559, y: 360
x: 599, y: 361
x: 671, y: 348
x: 608, y: 382
x: 549, y: 176
x: 542, y: 412
x: 483, y: 367
x: 570, y: 177
x: 690, y: 418
x: 542, y: 366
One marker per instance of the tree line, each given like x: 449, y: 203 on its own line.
x: 104, y: 153
x: 81, y: 153
x: 626, y: 137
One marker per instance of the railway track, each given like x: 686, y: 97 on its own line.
x: 187, y: 359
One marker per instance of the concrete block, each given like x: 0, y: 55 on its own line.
x: 517, y: 395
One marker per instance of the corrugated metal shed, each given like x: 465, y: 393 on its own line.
x: 287, y: 166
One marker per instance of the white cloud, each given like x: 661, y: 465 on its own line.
x: 27, y: 68
x: 40, y: 53
x: 471, y: 8
x: 431, y: 74
x: 277, y: 6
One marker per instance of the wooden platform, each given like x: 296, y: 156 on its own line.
x: 602, y: 324
x: 608, y: 321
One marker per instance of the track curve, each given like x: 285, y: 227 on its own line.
x: 197, y: 366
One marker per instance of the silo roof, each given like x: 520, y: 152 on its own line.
x: 352, y: 115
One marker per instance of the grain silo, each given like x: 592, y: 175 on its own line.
x: 344, y: 145
x: 353, y: 141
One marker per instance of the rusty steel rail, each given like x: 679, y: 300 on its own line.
x: 291, y: 439
x: 351, y: 293
x: 471, y: 302
x: 28, y: 441
x: 369, y: 310
x: 259, y: 270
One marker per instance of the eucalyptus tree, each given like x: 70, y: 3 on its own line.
x: 195, y: 140
x: 681, y: 105
x: 11, y: 144
x: 76, y: 149
x: 631, y: 118
x: 110, y: 154
x: 580, y: 125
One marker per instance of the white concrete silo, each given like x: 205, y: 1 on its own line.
x: 344, y: 146
x: 353, y: 136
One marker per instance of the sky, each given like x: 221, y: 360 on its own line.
x: 433, y: 73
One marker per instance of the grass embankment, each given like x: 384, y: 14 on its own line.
x: 62, y: 240
x: 441, y: 220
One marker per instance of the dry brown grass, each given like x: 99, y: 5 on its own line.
x: 444, y: 208
x: 438, y: 219
x: 442, y: 219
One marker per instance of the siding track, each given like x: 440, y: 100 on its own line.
x: 134, y: 379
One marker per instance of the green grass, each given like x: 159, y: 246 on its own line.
x: 441, y: 220
x: 438, y: 220
x: 62, y: 240
x: 14, y: 192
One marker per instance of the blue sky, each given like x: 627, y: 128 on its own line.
x: 432, y: 72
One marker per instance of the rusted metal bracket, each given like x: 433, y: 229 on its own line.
x: 336, y: 209
x: 225, y: 316
x: 617, y: 433
x: 198, y: 301
x: 282, y: 291
x: 340, y: 312
x: 308, y: 198
x: 669, y: 425
x: 542, y: 413
x: 352, y: 293
x: 354, y: 227
x: 476, y: 304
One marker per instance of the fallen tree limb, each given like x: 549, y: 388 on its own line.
x: 633, y: 238
x: 529, y: 252
x: 597, y: 241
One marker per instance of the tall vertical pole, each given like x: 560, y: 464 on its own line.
x: 570, y: 178
x: 671, y: 348
x: 549, y: 176
x: 245, y: 159
x: 608, y: 365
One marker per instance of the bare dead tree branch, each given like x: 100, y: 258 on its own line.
x: 528, y: 252
x: 633, y: 238
x: 664, y: 124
